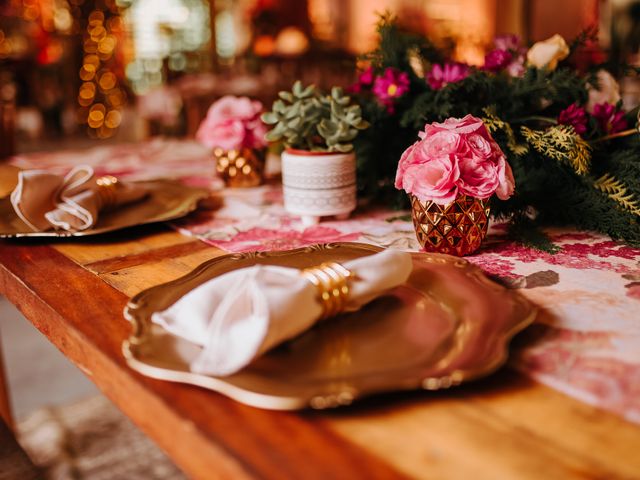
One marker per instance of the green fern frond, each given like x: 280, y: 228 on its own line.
x: 561, y: 143
x: 617, y: 191
x: 494, y: 124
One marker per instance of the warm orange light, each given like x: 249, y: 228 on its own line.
x: 88, y: 90
x: 291, y: 41
x: 91, y: 60
x: 96, y: 116
x: 116, y: 99
x: 96, y: 18
x: 107, y: 81
x: 87, y: 72
x: 113, y: 119
x: 107, y: 44
x: 264, y: 45
x: 97, y: 33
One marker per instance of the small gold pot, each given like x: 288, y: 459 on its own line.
x: 456, y: 229
x: 240, y: 168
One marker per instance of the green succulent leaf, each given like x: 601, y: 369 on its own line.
x: 312, y: 120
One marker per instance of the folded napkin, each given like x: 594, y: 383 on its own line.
x: 241, y: 314
x: 72, y: 202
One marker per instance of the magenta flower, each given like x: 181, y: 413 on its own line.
x: 507, y: 42
x: 496, y: 60
x: 508, y: 55
x: 609, y: 118
x: 450, y: 72
x: 390, y: 86
x: 365, y: 79
x: 576, y: 116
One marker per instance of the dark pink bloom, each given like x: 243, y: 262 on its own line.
x: 609, y: 118
x: 450, y: 72
x: 390, y: 86
x: 496, y: 60
x: 507, y: 42
x: 365, y: 79
x: 576, y: 116
x: 508, y: 55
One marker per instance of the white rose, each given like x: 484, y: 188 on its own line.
x: 548, y: 53
x: 608, y: 90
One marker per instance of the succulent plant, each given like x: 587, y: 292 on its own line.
x: 306, y: 119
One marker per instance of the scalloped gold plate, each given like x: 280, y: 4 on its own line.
x: 447, y: 324
x: 167, y: 200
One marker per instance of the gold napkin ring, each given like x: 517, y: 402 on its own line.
x: 331, y: 280
x: 107, y: 190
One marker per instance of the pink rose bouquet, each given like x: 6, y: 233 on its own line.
x: 452, y: 158
x: 233, y: 123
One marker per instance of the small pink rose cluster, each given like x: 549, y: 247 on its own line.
x: 508, y: 54
x: 456, y: 157
x: 233, y: 123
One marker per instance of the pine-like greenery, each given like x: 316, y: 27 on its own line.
x: 591, y: 184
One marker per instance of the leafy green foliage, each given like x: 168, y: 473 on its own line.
x: 563, y: 177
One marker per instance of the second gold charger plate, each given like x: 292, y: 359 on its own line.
x: 447, y: 324
x: 167, y: 200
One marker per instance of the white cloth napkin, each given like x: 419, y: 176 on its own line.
x: 72, y: 202
x: 240, y: 315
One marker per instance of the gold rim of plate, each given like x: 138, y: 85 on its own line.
x: 167, y: 200
x: 446, y: 325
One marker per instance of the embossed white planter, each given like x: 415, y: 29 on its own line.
x: 319, y: 184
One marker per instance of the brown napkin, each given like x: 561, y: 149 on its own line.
x: 44, y: 200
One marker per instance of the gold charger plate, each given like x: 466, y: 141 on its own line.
x: 447, y: 324
x: 167, y: 200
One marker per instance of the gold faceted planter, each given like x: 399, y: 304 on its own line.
x: 456, y: 229
x: 240, y: 168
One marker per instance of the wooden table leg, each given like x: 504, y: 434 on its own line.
x: 5, y: 403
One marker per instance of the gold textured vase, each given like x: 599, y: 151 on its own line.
x: 456, y: 229
x: 240, y: 168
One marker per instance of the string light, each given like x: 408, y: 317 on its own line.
x: 101, y: 97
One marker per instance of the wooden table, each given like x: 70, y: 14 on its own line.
x: 503, y: 427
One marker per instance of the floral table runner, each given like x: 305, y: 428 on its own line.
x: 586, y: 340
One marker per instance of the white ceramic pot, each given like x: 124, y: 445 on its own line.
x: 319, y: 184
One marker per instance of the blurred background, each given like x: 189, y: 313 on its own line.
x: 84, y: 72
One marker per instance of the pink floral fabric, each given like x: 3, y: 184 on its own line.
x: 586, y: 339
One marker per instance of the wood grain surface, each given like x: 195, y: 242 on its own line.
x: 503, y: 427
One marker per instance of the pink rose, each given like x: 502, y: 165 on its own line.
x: 478, y: 177
x: 230, y: 107
x: 506, y: 182
x: 479, y: 145
x: 428, y: 178
x: 228, y: 134
x: 455, y: 157
x: 441, y: 143
x: 233, y: 123
x: 465, y: 125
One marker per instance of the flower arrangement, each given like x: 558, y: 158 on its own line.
x: 456, y: 157
x: 307, y: 119
x: 233, y: 123
x: 569, y: 143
